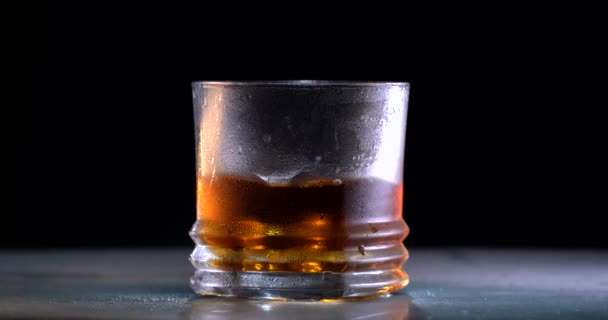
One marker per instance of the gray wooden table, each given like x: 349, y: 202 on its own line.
x: 446, y: 284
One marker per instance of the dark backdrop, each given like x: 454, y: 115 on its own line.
x: 504, y: 141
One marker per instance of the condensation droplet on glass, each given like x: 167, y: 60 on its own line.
x: 240, y: 149
x: 267, y: 138
x: 361, y: 250
x: 318, y: 158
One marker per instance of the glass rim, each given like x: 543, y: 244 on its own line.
x: 297, y: 83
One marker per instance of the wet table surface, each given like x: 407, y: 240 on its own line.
x: 446, y: 284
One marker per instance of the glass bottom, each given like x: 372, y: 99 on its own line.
x: 297, y: 285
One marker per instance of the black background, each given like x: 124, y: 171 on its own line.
x: 504, y: 141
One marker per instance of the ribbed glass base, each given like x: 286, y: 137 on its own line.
x: 365, y: 261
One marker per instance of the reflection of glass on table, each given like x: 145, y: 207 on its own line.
x: 299, y: 188
x: 398, y: 306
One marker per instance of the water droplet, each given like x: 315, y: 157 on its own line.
x: 318, y: 158
x: 361, y: 250
x: 240, y: 149
x: 267, y: 138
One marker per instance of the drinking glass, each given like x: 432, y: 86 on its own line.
x: 299, y: 189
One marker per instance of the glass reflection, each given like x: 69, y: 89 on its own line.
x: 396, y: 306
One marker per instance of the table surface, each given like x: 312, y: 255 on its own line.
x: 446, y: 284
